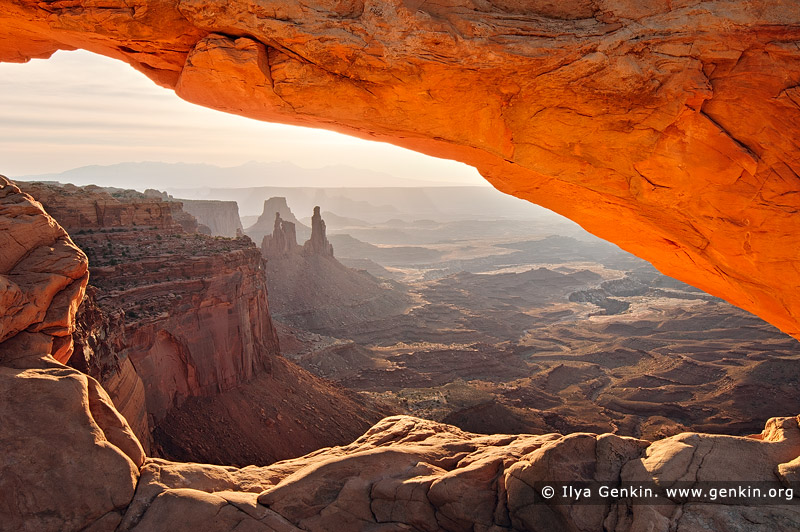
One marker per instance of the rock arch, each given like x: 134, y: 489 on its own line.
x: 668, y: 128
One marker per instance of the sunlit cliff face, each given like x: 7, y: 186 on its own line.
x: 668, y: 130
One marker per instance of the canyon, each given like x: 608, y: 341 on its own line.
x: 173, y: 318
x: 513, y: 326
x: 666, y: 128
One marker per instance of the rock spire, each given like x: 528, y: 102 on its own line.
x: 318, y: 243
x: 283, y: 239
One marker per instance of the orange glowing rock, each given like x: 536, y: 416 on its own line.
x: 43, y: 276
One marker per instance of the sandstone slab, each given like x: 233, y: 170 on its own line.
x: 411, y: 474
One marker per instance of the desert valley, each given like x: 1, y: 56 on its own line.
x: 382, y: 354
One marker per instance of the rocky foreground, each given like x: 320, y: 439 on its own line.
x: 71, y: 462
x: 403, y: 474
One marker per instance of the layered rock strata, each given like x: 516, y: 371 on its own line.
x: 173, y: 314
x: 195, y: 314
x: 221, y: 217
x: 176, y: 324
x: 664, y: 127
x: 92, y: 207
x: 99, y: 351
x: 197, y: 320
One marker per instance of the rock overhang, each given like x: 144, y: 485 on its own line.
x: 665, y: 129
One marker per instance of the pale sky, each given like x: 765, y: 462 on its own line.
x: 78, y: 109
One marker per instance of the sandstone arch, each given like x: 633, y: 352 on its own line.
x: 668, y: 128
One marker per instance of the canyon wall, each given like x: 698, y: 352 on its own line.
x: 221, y: 217
x: 91, y: 207
x: 663, y: 127
x: 176, y: 326
x: 173, y: 314
x: 99, y: 351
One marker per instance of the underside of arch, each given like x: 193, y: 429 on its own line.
x: 670, y: 129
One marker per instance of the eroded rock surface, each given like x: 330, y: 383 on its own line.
x: 70, y: 460
x: 318, y: 244
x: 221, y: 217
x: 312, y: 290
x: 43, y: 275
x: 283, y: 240
x: 265, y: 225
x: 410, y: 474
x: 189, y: 311
x: 664, y: 127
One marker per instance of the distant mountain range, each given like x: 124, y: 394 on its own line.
x: 380, y: 204
x: 253, y: 174
x: 347, y: 191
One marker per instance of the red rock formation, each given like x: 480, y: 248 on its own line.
x: 411, y: 474
x: 69, y: 459
x: 282, y: 241
x: 318, y: 243
x: 91, y: 207
x: 196, y: 318
x: 43, y: 275
x: 173, y: 316
x: 663, y: 127
x: 100, y: 352
x: 265, y: 224
x: 312, y: 290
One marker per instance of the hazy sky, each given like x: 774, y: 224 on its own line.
x: 78, y: 109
